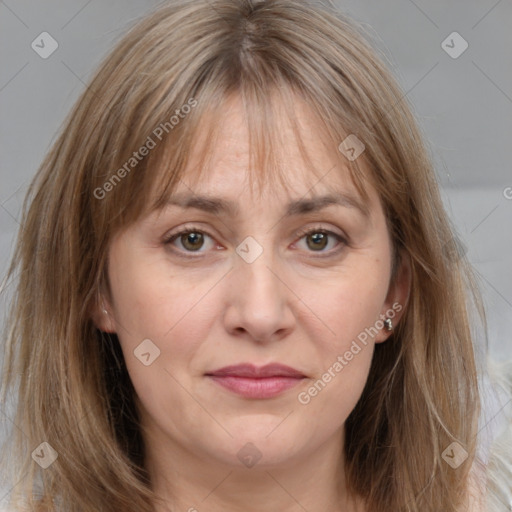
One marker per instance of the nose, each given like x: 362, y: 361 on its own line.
x: 259, y: 301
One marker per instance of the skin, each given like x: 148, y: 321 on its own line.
x: 296, y: 304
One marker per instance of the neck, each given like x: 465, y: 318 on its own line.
x: 185, y: 481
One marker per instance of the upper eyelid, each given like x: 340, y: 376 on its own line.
x: 301, y: 231
x: 312, y: 229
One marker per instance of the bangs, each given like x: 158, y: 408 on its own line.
x: 184, y: 156
x: 177, y: 100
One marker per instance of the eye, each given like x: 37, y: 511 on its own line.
x: 191, y: 240
x: 317, y: 239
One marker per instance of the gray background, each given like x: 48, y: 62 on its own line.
x: 464, y: 106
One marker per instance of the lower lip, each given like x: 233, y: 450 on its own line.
x: 248, y: 387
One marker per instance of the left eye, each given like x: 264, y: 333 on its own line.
x: 318, y: 239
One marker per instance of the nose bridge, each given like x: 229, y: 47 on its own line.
x: 253, y: 269
x: 259, y: 300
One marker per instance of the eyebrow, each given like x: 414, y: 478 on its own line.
x: 217, y: 205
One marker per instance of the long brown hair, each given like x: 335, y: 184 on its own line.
x: 165, y: 81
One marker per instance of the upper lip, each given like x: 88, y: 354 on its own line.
x: 250, y: 370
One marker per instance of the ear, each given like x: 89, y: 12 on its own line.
x: 397, y: 298
x: 102, y: 315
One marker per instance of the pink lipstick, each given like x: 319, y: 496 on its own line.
x: 251, y: 381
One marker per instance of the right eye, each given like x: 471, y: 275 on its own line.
x: 191, y: 240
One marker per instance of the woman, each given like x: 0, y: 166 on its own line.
x: 238, y: 287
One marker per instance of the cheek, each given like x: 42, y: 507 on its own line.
x: 172, y: 312
x: 149, y: 300
x: 348, y: 306
x: 349, y: 309
x: 329, y: 400
x: 345, y: 356
x: 150, y: 306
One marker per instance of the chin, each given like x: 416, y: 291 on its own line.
x: 255, y: 448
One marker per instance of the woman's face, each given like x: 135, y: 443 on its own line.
x: 246, y: 286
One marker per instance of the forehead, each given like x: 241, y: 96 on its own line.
x: 277, y: 149
x: 293, y: 159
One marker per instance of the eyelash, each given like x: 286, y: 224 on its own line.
x: 168, y: 240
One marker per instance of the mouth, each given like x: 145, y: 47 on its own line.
x: 250, y: 381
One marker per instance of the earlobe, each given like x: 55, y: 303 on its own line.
x: 102, y: 316
x: 387, y: 329
x: 397, y: 299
